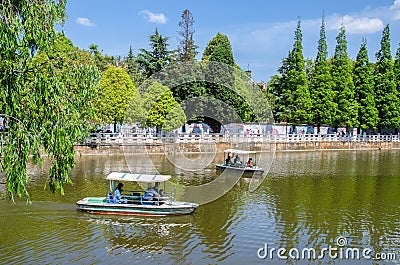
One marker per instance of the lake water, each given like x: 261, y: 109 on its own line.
x: 309, y: 200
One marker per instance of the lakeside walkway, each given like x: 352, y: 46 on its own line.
x: 107, y: 139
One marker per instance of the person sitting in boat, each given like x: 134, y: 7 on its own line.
x: 151, y: 192
x: 118, y: 197
x: 250, y: 162
x: 237, y: 160
x: 156, y: 187
x: 228, y: 160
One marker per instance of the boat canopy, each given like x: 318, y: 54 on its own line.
x: 137, y: 177
x: 240, y: 152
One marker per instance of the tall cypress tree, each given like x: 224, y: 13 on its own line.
x: 322, y: 95
x: 385, y: 87
x: 343, y: 84
x: 364, y: 89
x: 291, y: 94
x: 298, y: 101
x: 396, y: 69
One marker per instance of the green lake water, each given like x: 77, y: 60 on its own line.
x: 307, y: 200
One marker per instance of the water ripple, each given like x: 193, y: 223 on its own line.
x: 308, y: 200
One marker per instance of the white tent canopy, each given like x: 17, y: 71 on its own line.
x: 120, y: 176
x: 240, y: 152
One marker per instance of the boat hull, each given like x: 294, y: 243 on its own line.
x: 245, y: 170
x: 99, y: 205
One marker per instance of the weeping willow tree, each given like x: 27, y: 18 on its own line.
x: 45, y: 93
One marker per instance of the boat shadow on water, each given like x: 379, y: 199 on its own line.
x: 139, y: 235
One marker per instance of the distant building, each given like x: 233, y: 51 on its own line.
x: 262, y: 85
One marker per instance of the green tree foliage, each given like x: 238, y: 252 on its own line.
x: 280, y: 93
x: 301, y: 101
x: 159, y: 57
x: 396, y: 69
x: 343, y: 84
x: 364, y: 90
x: 41, y: 97
x: 248, y: 100
x: 274, y: 94
x: 226, y: 82
x: 60, y: 49
x: 102, y: 61
x: 115, y: 92
x: 322, y: 95
x: 387, y: 100
x: 187, y: 49
x: 219, y: 39
x: 186, y: 86
x: 175, y: 118
x: 130, y: 65
x: 161, y: 109
x: 292, y: 93
x: 220, y: 79
x: 251, y: 98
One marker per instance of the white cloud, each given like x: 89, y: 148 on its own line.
x: 396, y: 5
x: 396, y: 9
x: 84, y: 21
x: 355, y: 25
x: 154, y: 18
x: 267, y: 36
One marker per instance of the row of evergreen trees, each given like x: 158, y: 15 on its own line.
x: 338, y: 91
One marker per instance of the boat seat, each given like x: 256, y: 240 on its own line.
x: 135, y: 195
x: 134, y: 198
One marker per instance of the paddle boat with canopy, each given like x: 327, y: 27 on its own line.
x: 154, y: 201
x: 241, y: 160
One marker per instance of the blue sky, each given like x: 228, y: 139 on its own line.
x: 261, y: 32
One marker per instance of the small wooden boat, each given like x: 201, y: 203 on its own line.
x: 237, y: 164
x: 151, y: 202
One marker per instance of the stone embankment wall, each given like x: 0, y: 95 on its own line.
x: 219, y: 147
